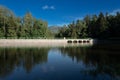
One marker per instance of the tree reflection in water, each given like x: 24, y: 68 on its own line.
x: 98, y: 59
x: 10, y: 58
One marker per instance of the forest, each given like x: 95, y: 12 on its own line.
x: 25, y: 27
x: 102, y: 26
x: 28, y: 27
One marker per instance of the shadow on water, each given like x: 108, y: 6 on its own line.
x: 99, y: 60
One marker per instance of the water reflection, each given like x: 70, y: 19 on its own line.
x: 98, y: 61
x: 10, y: 58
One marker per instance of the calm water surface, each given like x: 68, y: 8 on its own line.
x: 97, y: 62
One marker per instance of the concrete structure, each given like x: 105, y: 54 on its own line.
x: 80, y: 41
x: 44, y: 42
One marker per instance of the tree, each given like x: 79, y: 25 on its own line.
x: 5, y: 15
x: 87, y: 20
x: 101, y: 25
x: 92, y: 27
x: 81, y: 28
x: 72, y: 28
x: 28, y: 24
x: 26, y: 27
x: 12, y: 27
x: 40, y: 29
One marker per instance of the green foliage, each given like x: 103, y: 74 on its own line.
x: 101, y: 26
x: 26, y: 27
x: 75, y: 30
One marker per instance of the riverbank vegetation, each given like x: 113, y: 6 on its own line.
x: 96, y: 26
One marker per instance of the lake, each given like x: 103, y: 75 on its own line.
x: 96, y: 62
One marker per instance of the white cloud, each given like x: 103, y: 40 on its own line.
x: 114, y: 12
x: 46, y: 7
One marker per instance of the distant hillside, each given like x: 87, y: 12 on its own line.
x: 54, y: 29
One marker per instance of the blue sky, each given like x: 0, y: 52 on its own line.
x: 60, y: 12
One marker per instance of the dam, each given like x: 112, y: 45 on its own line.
x: 44, y: 42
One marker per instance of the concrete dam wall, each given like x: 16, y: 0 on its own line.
x: 44, y: 42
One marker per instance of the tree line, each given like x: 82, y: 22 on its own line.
x: 96, y: 26
x: 25, y: 27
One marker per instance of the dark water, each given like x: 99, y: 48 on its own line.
x: 97, y: 62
